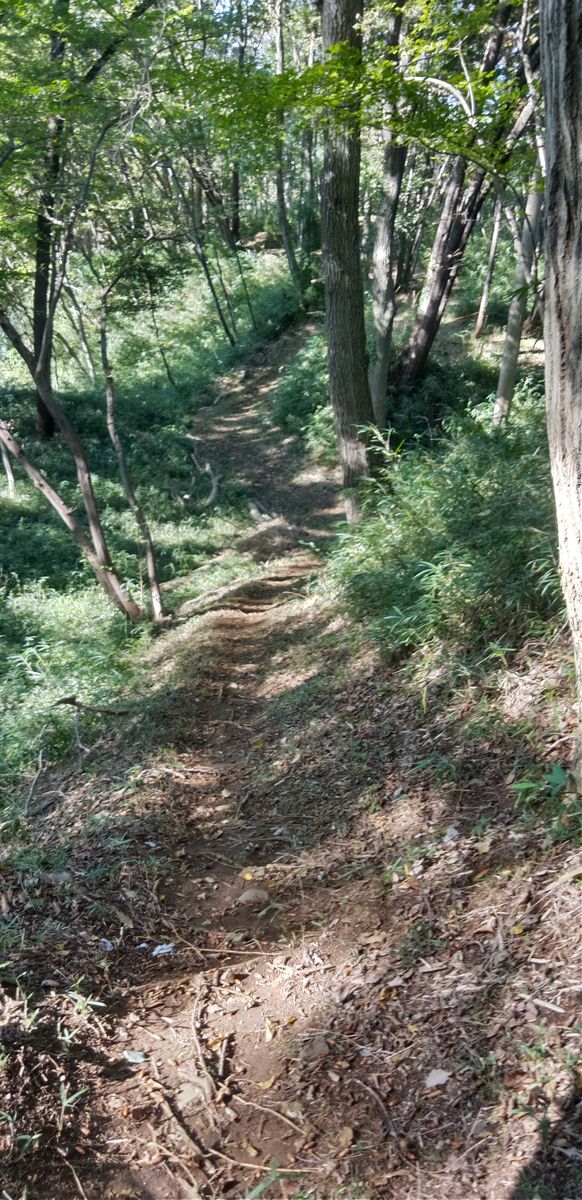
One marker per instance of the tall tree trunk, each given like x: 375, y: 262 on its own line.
x: 383, y: 291
x: 44, y: 231
x: 284, y: 223
x: 132, y: 500
x: 561, y: 53
x: 484, y: 302
x: 344, y: 301
x: 235, y: 202
x: 525, y: 250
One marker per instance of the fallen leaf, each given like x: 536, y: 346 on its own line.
x: 437, y: 1078
x: 265, y: 1084
x: 270, y: 1030
x: 134, y: 1056
x: 345, y: 1137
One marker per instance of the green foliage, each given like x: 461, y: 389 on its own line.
x: 301, y: 404
x: 59, y: 635
x: 304, y: 386
x: 459, y: 542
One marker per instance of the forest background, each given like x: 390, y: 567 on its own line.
x: 187, y: 188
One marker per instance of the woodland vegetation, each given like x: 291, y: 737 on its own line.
x: 394, y: 195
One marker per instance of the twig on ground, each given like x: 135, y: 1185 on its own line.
x: 78, y: 1183
x: 272, y: 1112
x: 94, y: 708
x: 201, y: 1060
x: 33, y: 784
x: 235, y: 1162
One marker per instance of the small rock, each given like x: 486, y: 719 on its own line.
x: 252, y: 896
x: 315, y: 1047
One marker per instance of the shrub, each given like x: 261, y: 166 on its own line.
x: 459, y: 541
x: 304, y: 386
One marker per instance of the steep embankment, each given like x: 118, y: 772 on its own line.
x: 302, y: 921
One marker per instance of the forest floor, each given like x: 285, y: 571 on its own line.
x: 301, y: 939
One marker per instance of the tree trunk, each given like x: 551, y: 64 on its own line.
x: 460, y: 211
x: 106, y: 576
x: 44, y: 232
x: 235, y: 202
x: 8, y: 472
x: 525, y: 250
x: 561, y: 52
x: 344, y: 301
x: 383, y: 291
x: 482, y: 314
x: 132, y: 500
x: 284, y: 223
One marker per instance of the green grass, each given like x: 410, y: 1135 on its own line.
x: 458, y: 546
x: 301, y: 400
x: 58, y: 634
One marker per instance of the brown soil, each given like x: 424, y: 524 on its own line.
x: 372, y: 977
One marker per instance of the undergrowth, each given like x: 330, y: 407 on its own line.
x: 58, y: 634
x: 458, y: 544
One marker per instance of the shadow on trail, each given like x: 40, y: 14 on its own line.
x: 394, y: 930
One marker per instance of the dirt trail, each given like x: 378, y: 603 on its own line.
x: 310, y: 921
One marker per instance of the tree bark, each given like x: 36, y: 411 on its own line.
x: 383, y: 290
x: 132, y: 500
x: 43, y: 238
x: 525, y: 249
x: 284, y: 223
x: 344, y: 301
x: 561, y: 56
x: 484, y: 302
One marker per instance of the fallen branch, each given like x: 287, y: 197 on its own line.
x: 33, y: 784
x: 94, y: 708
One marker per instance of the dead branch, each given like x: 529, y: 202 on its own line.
x: 94, y: 708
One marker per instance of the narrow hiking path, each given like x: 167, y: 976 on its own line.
x: 290, y: 949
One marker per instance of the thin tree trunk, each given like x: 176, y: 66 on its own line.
x: 561, y: 54
x: 526, y: 249
x: 284, y: 223
x: 460, y: 211
x: 44, y: 232
x: 484, y: 303
x: 70, y: 436
x: 383, y: 291
x: 344, y: 301
x: 132, y: 500
x: 235, y: 203
x: 79, y: 327
x: 160, y: 344
x: 9, y: 473
x: 106, y: 576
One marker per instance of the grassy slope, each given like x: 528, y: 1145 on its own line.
x: 58, y: 635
